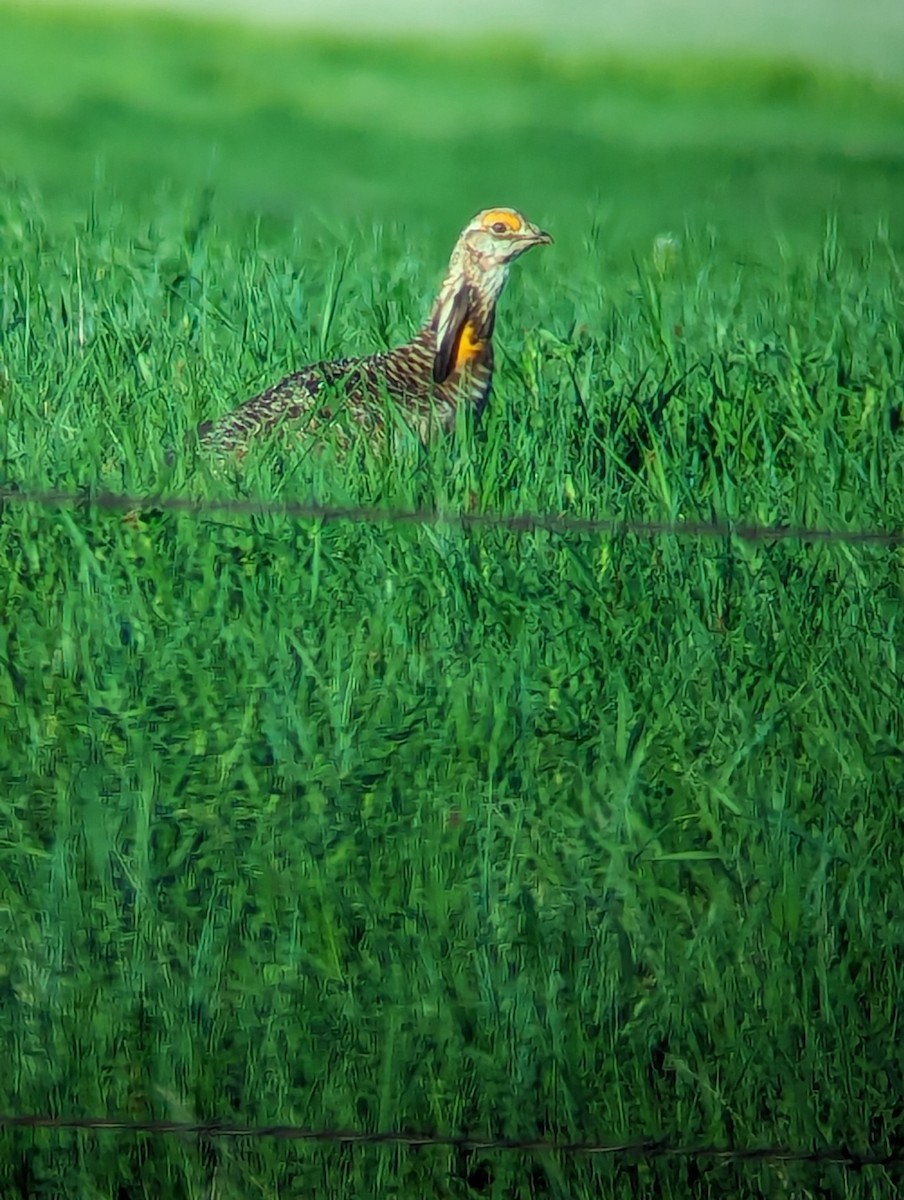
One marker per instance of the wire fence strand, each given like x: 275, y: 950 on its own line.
x: 522, y: 522
x: 646, y: 1148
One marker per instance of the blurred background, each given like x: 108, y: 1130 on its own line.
x: 747, y: 119
x: 867, y: 37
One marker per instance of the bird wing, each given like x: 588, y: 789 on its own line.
x: 291, y: 400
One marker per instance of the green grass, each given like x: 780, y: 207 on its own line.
x: 373, y: 826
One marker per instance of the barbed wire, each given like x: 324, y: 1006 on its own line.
x: 649, y: 1148
x: 523, y: 522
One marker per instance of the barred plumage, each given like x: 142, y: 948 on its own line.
x: 449, y: 362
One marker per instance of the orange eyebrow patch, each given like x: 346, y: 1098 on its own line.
x: 508, y: 219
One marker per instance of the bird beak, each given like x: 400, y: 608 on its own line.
x: 539, y: 237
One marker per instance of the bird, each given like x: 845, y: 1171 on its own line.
x: 448, y: 363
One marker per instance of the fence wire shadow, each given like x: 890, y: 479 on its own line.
x: 515, y: 522
x: 646, y: 1148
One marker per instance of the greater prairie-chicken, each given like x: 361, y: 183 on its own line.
x: 448, y: 363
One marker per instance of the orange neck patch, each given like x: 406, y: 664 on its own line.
x: 468, y: 347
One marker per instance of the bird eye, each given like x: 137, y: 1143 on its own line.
x: 499, y: 227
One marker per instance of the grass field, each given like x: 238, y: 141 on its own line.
x: 372, y: 826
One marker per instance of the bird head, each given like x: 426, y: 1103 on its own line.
x: 496, y: 236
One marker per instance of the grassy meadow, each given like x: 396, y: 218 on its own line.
x: 448, y: 828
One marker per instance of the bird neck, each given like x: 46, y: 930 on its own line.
x: 469, y: 291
